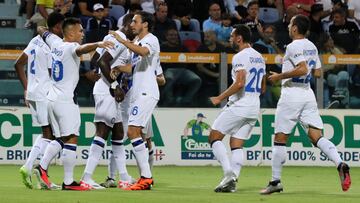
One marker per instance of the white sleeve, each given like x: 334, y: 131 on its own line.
x: 295, y: 55
x: 158, y: 70
x: 51, y: 39
x: 238, y: 64
x: 318, y: 62
x: 151, y: 45
x: 28, y: 49
x: 72, y: 48
x: 117, y: 49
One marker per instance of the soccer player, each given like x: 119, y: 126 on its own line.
x: 242, y: 110
x: 36, y: 85
x: 145, y: 91
x: 297, y: 103
x: 107, y: 111
x: 63, y: 110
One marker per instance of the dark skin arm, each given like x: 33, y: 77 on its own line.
x: 316, y: 73
x: 104, y: 65
x: 19, y: 67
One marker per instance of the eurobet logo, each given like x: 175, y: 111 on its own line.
x: 18, y: 130
x: 196, y: 148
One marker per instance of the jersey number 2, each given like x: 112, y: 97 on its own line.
x: 32, y: 64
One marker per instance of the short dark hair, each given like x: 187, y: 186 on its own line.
x: 135, y: 7
x: 148, y: 18
x: 225, y: 16
x: 302, y: 23
x: 54, y: 18
x: 251, y: 3
x: 243, y: 31
x: 70, y: 21
x: 127, y: 19
x: 339, y: 11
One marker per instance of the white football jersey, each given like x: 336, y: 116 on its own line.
x: 144, y: 78
x: 120, y: 56
x: 39, y: 61
x: 64, y: 70
x: 250, y: 60
x: 298, y: 88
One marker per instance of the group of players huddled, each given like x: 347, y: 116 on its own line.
x: 127, y: 92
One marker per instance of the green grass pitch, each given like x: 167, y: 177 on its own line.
x: 191, y: 185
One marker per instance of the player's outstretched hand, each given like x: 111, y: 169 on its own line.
x: 274, y: 76
x: 106, y: 44
x: 114, y: 73
x: 215, y: 100
x: 117, y: 36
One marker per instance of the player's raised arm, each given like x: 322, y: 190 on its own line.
x: 50, y: 38
x: 89, y: 47
x: 141, y: 50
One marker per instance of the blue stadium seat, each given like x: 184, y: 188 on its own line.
x: 116, y: 11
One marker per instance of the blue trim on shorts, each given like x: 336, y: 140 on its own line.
x: 70, y: 147
x: 97, y: 142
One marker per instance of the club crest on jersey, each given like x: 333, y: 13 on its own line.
x: 57, y: 52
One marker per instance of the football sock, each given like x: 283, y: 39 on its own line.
x: 69, y: 162
x: 151, y: 158
x: 330, y: 150
x: 119, y: 155
x: 112, y: 167
x: 142, y: 157
x: 53, y: 148
x: 278, y: 160
x: 237, y: 160
x: 96, y: 149
x: 37, y: 149
x: 219, y: 151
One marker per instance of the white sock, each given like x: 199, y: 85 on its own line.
x: 36, y: 150
x: 151, y: 158
x: 237, y: 160
x: 219, y: 151
x: 43, y: 144
x: 53, y: 148
x: 142, y: 157
x: 118, y: 149
x: 69, y: 162
x: 112, y: 167
x: 278, y: 160
x: 330, y: 150
x: 96, y: 149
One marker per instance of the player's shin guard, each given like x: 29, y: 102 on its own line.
x: 96, y: 149
x: 237, y: 160
x: 53, y: 148
x: 69, y: 161
x: 119, y: 156
x: 278, y: 160
x: 219, y: 151
x: 329, y: 149
x: 37, y: 149
x: 142, y: 157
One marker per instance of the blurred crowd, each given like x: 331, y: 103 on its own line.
x: 205, y: 26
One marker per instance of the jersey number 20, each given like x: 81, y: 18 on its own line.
x: 256, y: 76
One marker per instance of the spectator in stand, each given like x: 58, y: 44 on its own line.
x: 304, y: 6
x: 184, y: 21
x: 44, y: 8
x: 98, y: 26
x: 29, y: 8
x: 316, y: 28
x: 237, y: 8
x: 252, y: 21
x: 344, y: 31
x: 354, y: 9
x: 336, y: 75
x: 83, y: 9
x: 63, y: 7
x: 174, y: 4
x: 326, y: 21
x: 224, y: 33
x: 177, y: 74
x: 214, y: 21
x: 209, y: 73
x: 132, y: 10
x: 268, y: 45
x: 201, y: 9
x: 278, y: 4
x: 162, y: 22
x: 281, y: 26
